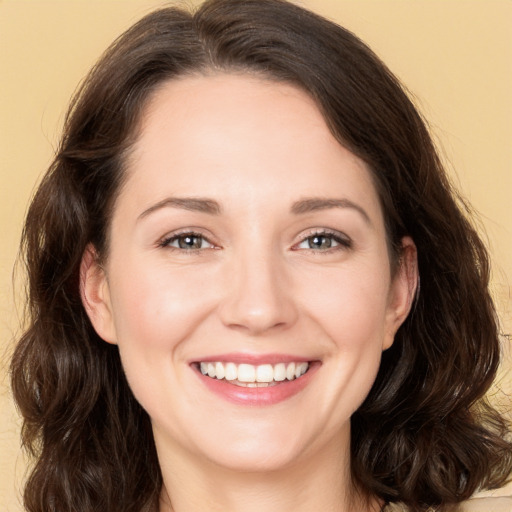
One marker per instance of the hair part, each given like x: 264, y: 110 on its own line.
x: 424, y: 436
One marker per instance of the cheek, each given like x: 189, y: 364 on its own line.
x: 353, y: 320
x: 155, y: 312
x: 351, y: 305
x: 155, y: 308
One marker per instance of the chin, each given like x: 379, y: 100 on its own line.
x: 266, y: 444
x: 258, y: 445
x: 264, y: 456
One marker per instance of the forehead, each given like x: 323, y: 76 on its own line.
x: 197, y: 108
x: 240, y: 135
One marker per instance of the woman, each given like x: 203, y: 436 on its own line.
x: 225, y: 262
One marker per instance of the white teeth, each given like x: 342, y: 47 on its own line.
x: 300, y: 369
x: 231, y: 371
x: 246, y: 373
x: 264, y: 373
x: 250, y: 375
x: 280, y: 372
x: 219, y: 371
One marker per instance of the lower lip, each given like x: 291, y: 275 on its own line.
x: 258, y: 396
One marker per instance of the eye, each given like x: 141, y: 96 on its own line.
x: 187, y: 242
x: 323, y: 241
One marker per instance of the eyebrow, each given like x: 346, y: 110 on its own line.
x: 194, y: 204
x: 209, y: 206
x: 314, y: 204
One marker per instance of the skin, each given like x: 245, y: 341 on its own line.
x: 256, y: 284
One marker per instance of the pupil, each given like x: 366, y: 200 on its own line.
x: 190, y: 242
x: 320, y: 242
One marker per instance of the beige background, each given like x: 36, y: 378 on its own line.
x: 454, y: 55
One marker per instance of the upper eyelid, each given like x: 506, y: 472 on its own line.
x: 187, y: 231
x: 324, y: 232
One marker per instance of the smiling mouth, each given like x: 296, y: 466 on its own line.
x: 252, y: 376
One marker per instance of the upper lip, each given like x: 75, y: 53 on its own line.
x: 254, y: 359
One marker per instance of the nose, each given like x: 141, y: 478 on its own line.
x: 258, y: 294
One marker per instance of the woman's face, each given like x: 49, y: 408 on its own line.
x: 246, y: 243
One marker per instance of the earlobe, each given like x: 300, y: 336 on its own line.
x: 95, y: 295
x: 403, y: 291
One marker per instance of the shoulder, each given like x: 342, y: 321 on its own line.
x: 485, y: 504
x: 490, y: 504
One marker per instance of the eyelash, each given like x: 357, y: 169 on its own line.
x: 342, y: 241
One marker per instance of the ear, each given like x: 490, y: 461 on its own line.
x: 95, y: 295
x: 403, y: 290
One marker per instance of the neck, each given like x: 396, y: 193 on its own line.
x: 320, y: 482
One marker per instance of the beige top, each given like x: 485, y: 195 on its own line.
x: 487, y: 504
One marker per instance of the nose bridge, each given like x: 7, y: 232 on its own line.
x: 257, y: 297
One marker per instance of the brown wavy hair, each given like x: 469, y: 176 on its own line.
x: 424, y: 436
